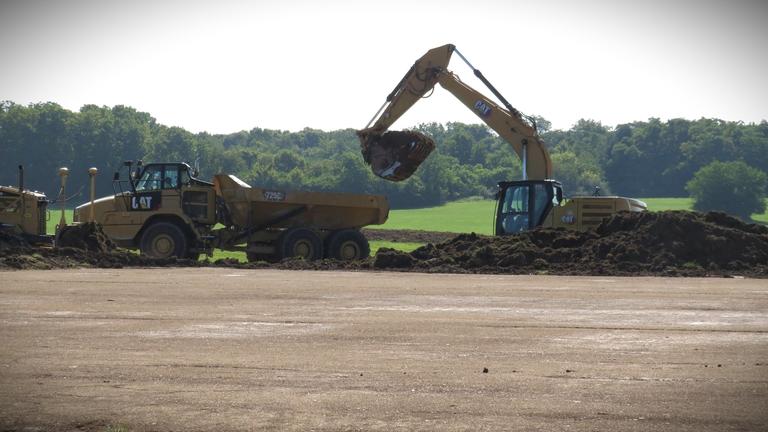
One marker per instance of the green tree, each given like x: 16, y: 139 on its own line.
x: 732, y: 187
x: 578, y: 176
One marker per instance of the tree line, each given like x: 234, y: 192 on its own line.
x: 642, y: 159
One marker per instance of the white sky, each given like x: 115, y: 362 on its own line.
x: 225, y: 66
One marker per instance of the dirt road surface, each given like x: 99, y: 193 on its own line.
x: 224, y: 349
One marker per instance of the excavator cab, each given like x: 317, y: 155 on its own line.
x: 524, y: 205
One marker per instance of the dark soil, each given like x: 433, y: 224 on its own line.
x: 83, y: 245
x: 88, y: 236
x: 674, y: 243
x: 10, y: 241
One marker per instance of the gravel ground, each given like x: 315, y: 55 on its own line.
x: 203, y: 349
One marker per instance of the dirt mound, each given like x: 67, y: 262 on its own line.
x: 664, y: 243
x: 50, y: 258
x: 83, y: 245
x: 88, y: 236
x: 10, y: 241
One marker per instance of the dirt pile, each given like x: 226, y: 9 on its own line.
x: 83, y: 245
x: 9, y: 241
x: 87, y: 236
x: 664, y: 243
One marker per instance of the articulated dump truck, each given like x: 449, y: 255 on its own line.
x: 164, y: 211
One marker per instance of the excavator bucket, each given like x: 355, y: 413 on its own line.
x: 395, y: 155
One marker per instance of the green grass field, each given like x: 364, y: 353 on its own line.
x: 458, y: 217
x: 660, y: 204
x: 54, y: 215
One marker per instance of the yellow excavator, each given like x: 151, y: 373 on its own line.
x: 536, y: 200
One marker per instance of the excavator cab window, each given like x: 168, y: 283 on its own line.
x: 524, y: 205
x: 515, y: 217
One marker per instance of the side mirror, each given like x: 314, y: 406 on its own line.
x: 559, y: 195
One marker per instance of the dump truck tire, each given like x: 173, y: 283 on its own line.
x: 347, y: 245
x: 300, y: 242
x: 164, y: 240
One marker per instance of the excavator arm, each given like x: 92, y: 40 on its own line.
x: 396, y: 155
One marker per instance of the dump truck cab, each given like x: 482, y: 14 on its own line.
x: 173, y: 188
x: 161, y: 209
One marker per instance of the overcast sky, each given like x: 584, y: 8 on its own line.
x: 224, y: 66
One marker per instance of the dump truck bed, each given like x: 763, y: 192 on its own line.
x: 254, y: 207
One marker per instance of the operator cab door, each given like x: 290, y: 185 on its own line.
x: 524, y: 205
x: 172, y: 189
x: 198, y: 198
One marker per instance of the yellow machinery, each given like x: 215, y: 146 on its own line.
x: 536, y: 200
x: 164, y: 210
x: 24, y: 212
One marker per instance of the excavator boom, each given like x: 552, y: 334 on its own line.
x: 396, y: 155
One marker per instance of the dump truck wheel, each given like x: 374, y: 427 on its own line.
x: 348, y: 245
x: 163, y: 240
x: 300, y: 242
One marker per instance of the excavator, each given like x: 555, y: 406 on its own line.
x: 536, y: 200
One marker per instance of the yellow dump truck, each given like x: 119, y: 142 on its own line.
x: 164, y: 210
